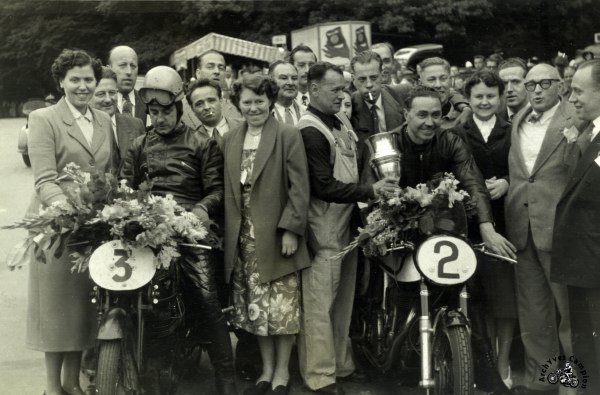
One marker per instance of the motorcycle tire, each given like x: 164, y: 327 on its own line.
x: 117, y: 372
x: 453, y: 362
x: 552, y: 378
x: 574, y: 382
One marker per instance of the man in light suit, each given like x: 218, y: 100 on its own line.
x: 538, y: 168
x: 576, y: 236
x: 374, y: 109
x: 125, y: 127
x: 205, y: 99
x: 124, y: 62
x: 211, y: 65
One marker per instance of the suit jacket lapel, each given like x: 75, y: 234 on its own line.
x: 122, y: 136
x: 265, y: 147
x: 393, y: 111
x: 515, y: 138
x: 72, y: 127
x: 552, y: 138
x: 233, y: 157
x: 99, y: 134
x: 588, y: 158
x: 473, y: 131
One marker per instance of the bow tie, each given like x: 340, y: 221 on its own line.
x: 534, y: 117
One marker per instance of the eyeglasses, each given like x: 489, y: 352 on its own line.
x: 545, y: 84
x: 163, y: 98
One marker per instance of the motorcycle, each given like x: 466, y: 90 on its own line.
x: 145, y: 344
x: 565, y: 376
x: 415, y: 312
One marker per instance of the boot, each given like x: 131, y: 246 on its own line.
x: 221, y: 357
x: 487, y: 377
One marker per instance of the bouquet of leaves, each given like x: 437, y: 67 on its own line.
x: 409, y: 213
x: 98, y: 208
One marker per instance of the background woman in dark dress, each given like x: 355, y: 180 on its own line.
x: 488, y: 136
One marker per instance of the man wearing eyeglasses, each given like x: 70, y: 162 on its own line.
x: 374, y: 109
x: 539, y: 160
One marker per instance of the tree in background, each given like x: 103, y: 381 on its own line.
x: 33, y: 32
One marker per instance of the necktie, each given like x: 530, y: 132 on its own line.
x: 127, y: 106
x: 304, y: 100
x: 288, y: 117
x: 533, y: 118
x: 375, y: 118
x: 216, y: 136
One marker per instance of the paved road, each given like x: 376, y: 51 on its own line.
x: 22, y: 370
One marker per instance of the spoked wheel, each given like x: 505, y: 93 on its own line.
x: 117, y: 371
x: 452, y: 362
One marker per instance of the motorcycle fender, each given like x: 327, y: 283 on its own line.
x: 451, y: 318
x: 112, y: 326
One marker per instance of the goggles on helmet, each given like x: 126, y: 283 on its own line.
x: 160, y: 96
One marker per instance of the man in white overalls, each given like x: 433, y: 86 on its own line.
x: 328, y: 285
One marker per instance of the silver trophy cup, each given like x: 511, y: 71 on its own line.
x: 385, y: 156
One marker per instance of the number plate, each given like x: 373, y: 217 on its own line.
x: 446, y: 260
x: 118, y: 269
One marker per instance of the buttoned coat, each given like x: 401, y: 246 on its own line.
x: 491, y: 158
x: 576, y: 230
x: 60, y: 317
x: 532, y: 198
x: 140, y: 107
x: 278, y: 200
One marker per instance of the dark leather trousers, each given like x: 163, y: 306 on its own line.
x: 199, y: 286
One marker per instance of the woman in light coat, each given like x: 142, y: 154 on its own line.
x: 61, y: 320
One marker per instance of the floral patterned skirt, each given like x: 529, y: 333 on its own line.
x: 263, y: 309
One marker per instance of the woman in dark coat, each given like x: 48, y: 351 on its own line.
x: 488, y: 136
x: 266, y: 206
x: 61, y: 321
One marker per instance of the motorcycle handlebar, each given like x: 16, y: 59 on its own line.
x: 483, y: 249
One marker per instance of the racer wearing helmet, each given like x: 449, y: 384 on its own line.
x: 189, y: 166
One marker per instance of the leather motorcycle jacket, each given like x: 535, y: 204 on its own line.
x: 183, y: 163
x: 445, y: 152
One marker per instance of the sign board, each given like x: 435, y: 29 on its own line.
x: 335, y: 42
x: 280, y: 39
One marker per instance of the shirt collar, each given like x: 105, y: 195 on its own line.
x: 330, y: 121
x: 479, y: 122
x: 77, y: 114
x: 547, y: 115
x: 378, y: 103
x: 131, y: 97
x: 222, y: 123
x: 596, y: 129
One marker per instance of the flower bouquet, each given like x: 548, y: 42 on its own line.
x: 99, y: 208
x: 400, y: 219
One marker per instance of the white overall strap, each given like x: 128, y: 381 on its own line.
x: 310, y: 120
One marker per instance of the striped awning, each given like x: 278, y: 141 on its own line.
x: 224, y: 44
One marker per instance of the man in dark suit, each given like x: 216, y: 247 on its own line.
x: 125, y: 127
x: 302, y: 57
x: 124, y: 62
x: 538, y: 163
x: 576, y: 233
x: 374, y: 108
x: 286, y: 108
x: 386, y: 51
x: 211, y: 65
x: 513, y: 71
x: 205, y: 98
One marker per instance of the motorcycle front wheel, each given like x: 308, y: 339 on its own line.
x: 452, y: 361
x: 117, y: 371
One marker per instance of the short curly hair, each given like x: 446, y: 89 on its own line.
x: 259, y: 84
x: 70, y: 58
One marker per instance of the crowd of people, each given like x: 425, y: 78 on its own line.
x: 279, y: 160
